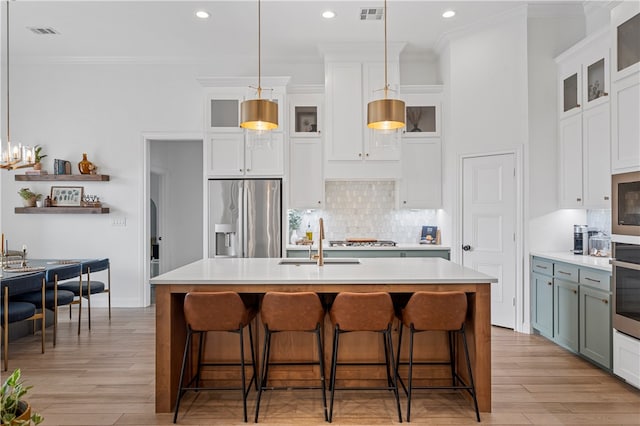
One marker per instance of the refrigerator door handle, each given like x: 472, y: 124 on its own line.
x: 245, y: 218
x: 240, y: 219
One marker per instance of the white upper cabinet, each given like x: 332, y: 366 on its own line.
x: 625, y: 97
x: 570, y: 159
x: 422, y: 111
x: 625, y: 30
x: 583, y: 75
x: 236, y: 154
x: 306, y: 125
x: 352, y: 149
x: 421, y: 184
x: 222, y: 112
x: 596, y: 136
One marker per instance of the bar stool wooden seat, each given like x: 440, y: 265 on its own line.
x: 291, y: 312
x: 437, y: 311
x: 372, y: 312
x: 216, y: 312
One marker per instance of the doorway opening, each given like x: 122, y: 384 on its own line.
x: 173, y: 218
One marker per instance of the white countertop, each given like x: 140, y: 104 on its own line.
x: 398, y: 246
x: 432, y: 270
x: 601, y: 263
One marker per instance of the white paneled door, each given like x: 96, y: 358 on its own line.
x: 489, y: 227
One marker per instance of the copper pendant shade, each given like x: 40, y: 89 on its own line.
x: 385, y: 114
x: 259, y: 114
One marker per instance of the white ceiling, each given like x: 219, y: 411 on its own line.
x: 290, y: 29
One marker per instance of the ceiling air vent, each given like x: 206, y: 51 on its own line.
x: 371, y: 13
x: 43, y: 30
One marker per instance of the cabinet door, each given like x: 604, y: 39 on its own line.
x: 625, y: 132
x: 344, y: 111
x: 421, y: 183
x: 222, y: 112
x: 596, y: 145
x: 595, y: 84
x: 305, y: 115
x: 306, y: 183
x: 264, y: 154
x: 570, y: 143
x: 542, y: 304
x: 565, y: 313
x: 422, y: 115
x: 225, y: 154
x: 625, y: 31
x: 570, y: 89
x: 595, y: 325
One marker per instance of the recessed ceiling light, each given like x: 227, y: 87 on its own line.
x: 328, y: 14
x: 449, y: 14
x: 202, y: 14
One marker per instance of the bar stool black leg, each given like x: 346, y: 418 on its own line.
x: 253, y: 358
x: 395, y: 376
x: 322, y: 379
x: 472, y: 384
x: 242, y: 374
x: 263, y: 370
x: 184, y: 364
x: 410, y: 379
x: 452, y: 358
x: 334, y: 359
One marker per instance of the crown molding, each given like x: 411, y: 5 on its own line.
x: 360, y: 51
x: 305, y: 89
x: 242, y: 81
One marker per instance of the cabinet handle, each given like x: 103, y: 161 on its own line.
x: 549, y: 283
x: 592, y: 280
x: 564, y: 273
x: 606, y: 198
x: 319, y: 202
x: 541, y: 267
x: 319, y: 132
x: 248, y: 170
x: 577, y: 105
x: 575, y: 291
x: 240, y: 169
x: 605, y: 94
x: 404, y: 202
x: 359, y: 154
x: 367, y: 154
x: 606, y: 302
x: 578, y: 199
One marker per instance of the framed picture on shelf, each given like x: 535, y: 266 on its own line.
x: 66, y: 196
x: 306, y: 122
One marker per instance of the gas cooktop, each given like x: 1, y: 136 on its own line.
x: 370, y: 243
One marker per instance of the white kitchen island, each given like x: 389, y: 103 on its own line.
x: 398, y: 276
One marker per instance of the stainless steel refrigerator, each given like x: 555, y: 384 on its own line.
x: 245, y: 217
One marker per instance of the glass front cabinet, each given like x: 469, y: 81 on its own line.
x: 422, y: 112
x: 584, y: 75
x: 305, y: 120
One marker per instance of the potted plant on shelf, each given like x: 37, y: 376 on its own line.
x: 29, y: 197
x: 38, y: 155
x: 15, y: 411
x: 295, y: 218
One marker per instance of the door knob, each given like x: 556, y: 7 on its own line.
x: 466, y: 247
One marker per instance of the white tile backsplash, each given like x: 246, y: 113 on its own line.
x: 600, y: 220
x: 366, y: 209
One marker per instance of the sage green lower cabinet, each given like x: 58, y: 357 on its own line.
x: 595, y: 325
x: 571, y: 305
x: 444, y: 253
x: 565, y: 310
x: 542, y: 304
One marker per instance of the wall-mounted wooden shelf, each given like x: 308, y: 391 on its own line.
x: 94, y: 178
x: 61, y: 210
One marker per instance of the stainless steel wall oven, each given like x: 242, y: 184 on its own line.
x: 625, y: 204
x: 626, y: 288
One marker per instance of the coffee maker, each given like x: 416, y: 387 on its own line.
x: 580, y: 239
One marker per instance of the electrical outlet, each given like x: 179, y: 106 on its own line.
x: 119, y: 221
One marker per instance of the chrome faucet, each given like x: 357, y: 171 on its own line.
x: 320, y: 238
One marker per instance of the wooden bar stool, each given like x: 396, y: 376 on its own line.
x: 282, y: 312
x: 437, y: 311
x: 373, y: 312
x: 222, y: 312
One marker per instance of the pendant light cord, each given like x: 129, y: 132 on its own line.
x: 259, y: 52
x: 386, y: 85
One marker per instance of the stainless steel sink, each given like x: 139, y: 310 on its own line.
x: 327, y: 261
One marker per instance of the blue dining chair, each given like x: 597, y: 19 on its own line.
x: 16, y: 311
x: 54, y: 297
x: 85, y: 288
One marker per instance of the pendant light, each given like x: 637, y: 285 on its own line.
x: 385, y: 114
x: 259, y: 114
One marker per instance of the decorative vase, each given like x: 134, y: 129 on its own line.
x: 29, y: 202
x: 37, y: 166
x: 294, y: 236
x: 85, y: 166
x: 25, y: 417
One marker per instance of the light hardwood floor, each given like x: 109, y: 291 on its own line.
x: 106, y: 377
